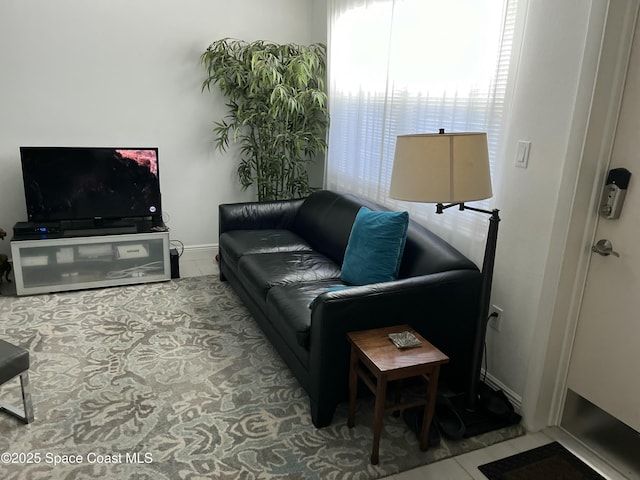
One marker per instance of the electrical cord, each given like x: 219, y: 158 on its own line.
x: 178, y: 245
x: 138, y: 271
x: 484, y: 377
x: 486, y: 362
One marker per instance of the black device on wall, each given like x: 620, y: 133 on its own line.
x: 91, y: 183
x: 614, y: 193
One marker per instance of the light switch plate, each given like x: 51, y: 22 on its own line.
x: 522, y: 153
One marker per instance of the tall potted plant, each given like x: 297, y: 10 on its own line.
x: 277, y: 111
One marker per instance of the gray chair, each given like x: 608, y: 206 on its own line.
x: 14, y: 361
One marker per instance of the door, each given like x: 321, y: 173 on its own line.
x: 605, y: 360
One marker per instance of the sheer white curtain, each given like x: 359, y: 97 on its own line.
x: 414, y: 66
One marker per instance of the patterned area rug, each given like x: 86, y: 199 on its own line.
x: 175, y: 380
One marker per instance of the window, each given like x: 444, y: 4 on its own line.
x: 414, y: 66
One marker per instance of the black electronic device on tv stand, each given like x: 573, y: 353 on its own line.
x: 22, y: 229
x: 84, y: 228
x: 87, y: 228
x: 90, y: 191
x: 98, y: 226
x: 92, y: 184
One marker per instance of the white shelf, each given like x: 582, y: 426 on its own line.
x: 61, y: 264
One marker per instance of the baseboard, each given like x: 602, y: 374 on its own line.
x: 200, y: 253
x: 493, y: 382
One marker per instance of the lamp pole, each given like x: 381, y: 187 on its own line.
x: 484, y: 304
x: 485, y: 299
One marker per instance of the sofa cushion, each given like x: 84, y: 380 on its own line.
x: 324, y: 220
x: 288, y: 309
x: 235, y: 243
x: 260, y: 272
x: 426, y: 253
x: 375, y: 247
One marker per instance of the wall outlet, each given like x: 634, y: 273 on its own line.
x: 495, y: 321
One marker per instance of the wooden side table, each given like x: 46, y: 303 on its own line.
x: 375, y: 357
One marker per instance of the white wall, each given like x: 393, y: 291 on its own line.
x: 127, y: 73
x: 319, y: 21
x: 543, y: 104
x: 318, y: 34
x: 551, y: 102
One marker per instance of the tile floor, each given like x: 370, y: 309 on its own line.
x: 197, y: 267
x: 465, y: 467
x: 462, y: 467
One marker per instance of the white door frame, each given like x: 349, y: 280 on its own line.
x: 607, y: 52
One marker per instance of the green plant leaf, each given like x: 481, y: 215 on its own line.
x: 277, y: 110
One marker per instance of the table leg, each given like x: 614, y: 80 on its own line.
x: 397, y: 396
x: 381, y: 393
x: 353, y: 386
x: 432, y: 391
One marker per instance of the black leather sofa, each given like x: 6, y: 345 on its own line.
x: 279, y: 256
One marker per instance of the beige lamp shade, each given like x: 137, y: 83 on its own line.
x: 441, y: 168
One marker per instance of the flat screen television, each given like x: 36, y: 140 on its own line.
x: 86, y: 183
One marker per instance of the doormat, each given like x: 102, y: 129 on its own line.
x: 551, y: 461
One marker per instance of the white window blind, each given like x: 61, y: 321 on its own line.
x: 415, y: 66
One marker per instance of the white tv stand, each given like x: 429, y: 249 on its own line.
x: 73, y: 263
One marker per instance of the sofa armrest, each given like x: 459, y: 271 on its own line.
x: 257, y: 215
x: 418, y: 301
x: 442, y: 307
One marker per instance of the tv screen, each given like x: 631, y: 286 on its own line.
x: 80, y: 183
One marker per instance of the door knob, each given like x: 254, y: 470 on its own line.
x: 605, y: 248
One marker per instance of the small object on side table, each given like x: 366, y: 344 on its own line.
x: 405, y: 340
x: 374, y: 355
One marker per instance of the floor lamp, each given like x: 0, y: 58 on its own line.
x: 449, y: 169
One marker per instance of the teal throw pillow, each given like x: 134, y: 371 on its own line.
x: 375, y: 247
